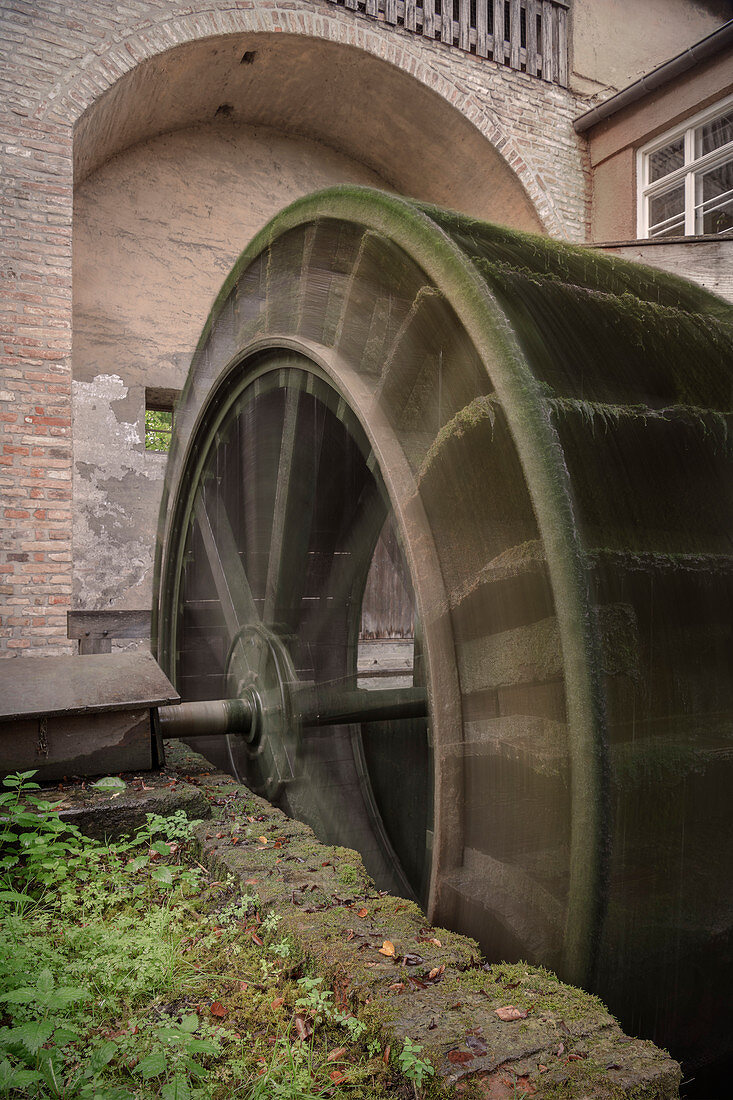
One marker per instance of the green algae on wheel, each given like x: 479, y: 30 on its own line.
x: 542, y: 432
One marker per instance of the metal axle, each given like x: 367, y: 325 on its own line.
x: 312, y: 707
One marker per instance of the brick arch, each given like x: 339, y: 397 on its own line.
x: 81, y: 91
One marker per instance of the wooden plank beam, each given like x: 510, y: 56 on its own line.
x: 464, y: 24
x: 515, y: 24
x: 531, y: 16
x: 428, y: 18
x: 562, y: 46
x: 107, y: 624
x: 410, y: 16
x: 499, y: 31
x: 548, y: 70
x: 482, y: 28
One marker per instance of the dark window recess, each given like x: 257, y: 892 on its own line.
x: 159, y: 411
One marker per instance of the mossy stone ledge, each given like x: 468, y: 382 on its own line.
x: 566, y: 1046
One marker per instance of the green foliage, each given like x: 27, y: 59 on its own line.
x: 57, y: 981
x: 290, y: 1073
x: 122, y: 976
x: 158, y: 428
x: 412, y: 1065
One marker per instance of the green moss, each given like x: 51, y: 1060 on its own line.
x: 480, y: 411
x: 348, y: 874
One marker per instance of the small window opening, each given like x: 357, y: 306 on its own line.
x: 159, y: 413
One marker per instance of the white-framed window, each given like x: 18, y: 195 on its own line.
x: 686, y: 177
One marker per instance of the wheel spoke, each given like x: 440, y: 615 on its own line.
x: 281, y: 503
x: 227, y: 570
x: 294, y: 507
x: 350, y: 563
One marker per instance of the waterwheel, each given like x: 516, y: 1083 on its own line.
x: 535, y: 438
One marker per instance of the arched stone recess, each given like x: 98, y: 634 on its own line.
x: 189, y: 136
x: 523, y: 120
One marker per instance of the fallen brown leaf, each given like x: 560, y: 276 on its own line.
x: 387, y: 949
x: 416, y: 983
x: 509, y: 1012
x: 397, y: 987
x: 460, y: 1057
x: 334, y: 1055
x: 436, y: 972
x: 337, y: 1076
x: 386, y: 1054
x: 277, y: 1002
x: 362, y: 912
x: 217, y: 1009
x: 262, y: 839
x: 476, y: 1043
x: 303, y: 1028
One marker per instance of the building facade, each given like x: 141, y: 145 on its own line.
x: 144, y: 144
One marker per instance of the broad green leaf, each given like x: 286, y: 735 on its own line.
x: 196, y: 1070
x: 102, y: 1055
x: 20, y: 996
x: 32, y: 1035
x: 110, y: 783
x: 163, y: 876
x: 12, y: 1078
x: 201, y: 1046
x: 45, y: 982
x: 161, y: 848
x: 151, y: 1066
x: 13, y: 897
x: 190, y: 1023
x: 177, y: 1089
x: 61, y: 998
x: 64, y: 1035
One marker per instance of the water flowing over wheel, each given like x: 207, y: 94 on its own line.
x: 531, y: 441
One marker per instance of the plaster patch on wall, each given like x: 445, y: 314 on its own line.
x: 117, y: 487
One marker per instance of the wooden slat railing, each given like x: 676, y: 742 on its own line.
x: 528, y: 35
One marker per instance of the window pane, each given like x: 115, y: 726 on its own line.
x: 714, y: 134
x: 667, y: 205
x: 669, y: 229
x: 665, y: 160
x: 719, y: 220
x: 714, y: 199
x: 714, y: 183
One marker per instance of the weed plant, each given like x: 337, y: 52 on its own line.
x: 127, y: 974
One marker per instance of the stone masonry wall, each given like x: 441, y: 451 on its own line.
x: 56, y: 60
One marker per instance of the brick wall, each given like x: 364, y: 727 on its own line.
x: 56, y: 59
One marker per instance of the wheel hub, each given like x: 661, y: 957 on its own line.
x: 260, y: 671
